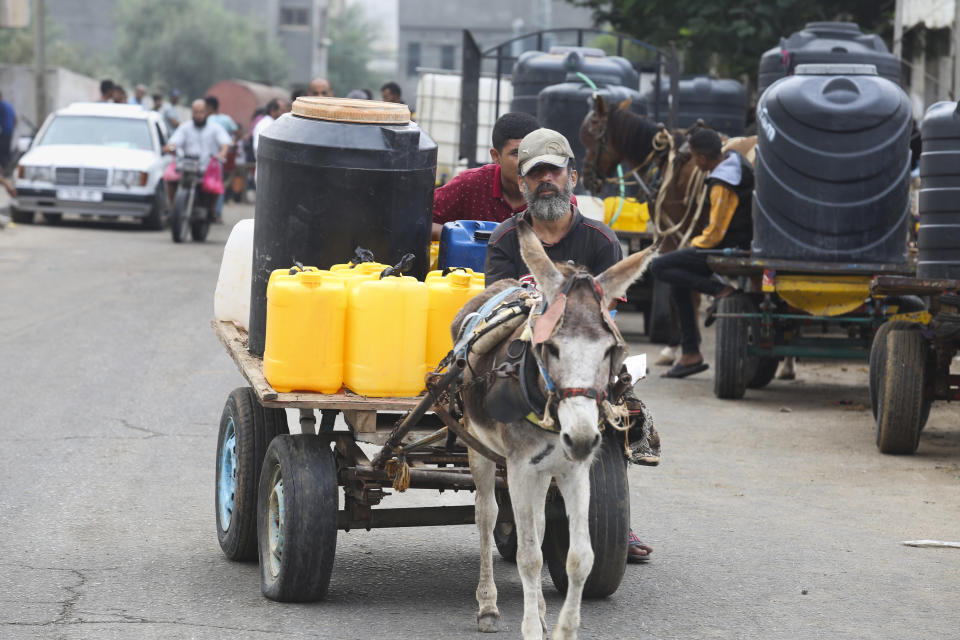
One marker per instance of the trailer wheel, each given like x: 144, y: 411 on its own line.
x: 733, y: 334
x: 609, y: 521
x: 246, y: 428
x: 505, y: 533
x: 297, y: 519
x: 765, y: 371
x: 901, y: 387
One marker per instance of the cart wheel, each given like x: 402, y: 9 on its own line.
x: 765, y: 371
x: 878, y: 359
x: 901, y: 386
x: 609, y: 518
x: 297, y: 519
x: 505, y: 533
x: 733, y: 335
x: 246, y: 428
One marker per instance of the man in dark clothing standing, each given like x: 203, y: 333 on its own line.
x: 8, y: 122
x: 730, y: 189
x: 546, y: 180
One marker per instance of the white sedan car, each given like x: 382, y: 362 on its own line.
x: 95, y: 159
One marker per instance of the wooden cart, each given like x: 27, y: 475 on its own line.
x: 795, y: 308
x: 910, y: 360
x: 277, y: 494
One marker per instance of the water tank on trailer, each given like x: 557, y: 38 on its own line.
x: 832, y: 167
x: 720, y: 102
x: 827, y: 43
x: 939, y: 241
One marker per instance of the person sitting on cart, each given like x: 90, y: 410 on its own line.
x: 730, y: 189
x: 546, y: 179
x: 490, y: 192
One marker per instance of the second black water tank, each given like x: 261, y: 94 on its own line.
x: 333, y: 175
x: 832, y: 167
x: 827, y: 43
x: 720, y: 102
x: 939, y: 240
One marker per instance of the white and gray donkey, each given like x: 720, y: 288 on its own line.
x: 578, y: 354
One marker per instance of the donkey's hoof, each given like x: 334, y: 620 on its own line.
x: 488, y: 622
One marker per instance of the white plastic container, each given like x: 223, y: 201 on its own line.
x: 231, y: 300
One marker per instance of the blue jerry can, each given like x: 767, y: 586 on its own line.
x: 463, y: 243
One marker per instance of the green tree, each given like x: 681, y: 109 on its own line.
x: 349, y: 54
x: 734, y: 33
x: 16, y: 47
x: 193, y: 44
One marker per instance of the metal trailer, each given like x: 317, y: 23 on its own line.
x: 277, y: 494
x: 910, y: 361
x: 796, y: 308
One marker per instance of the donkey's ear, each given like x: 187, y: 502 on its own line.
x: 599, y: 106
x: 625, y: 104
x: 617, y: 279
x: 541, y: 267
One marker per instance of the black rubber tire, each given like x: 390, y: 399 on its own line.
x: 764, y: 373
x: 901, y: 388
x: 199, y: 230
x: 180, y: 217
x: 304, y: 467
x: 733, y: 368
x: 53, y: 218
x: 159, y: 214
x: 661, y: 326
x: 609, y: 520
x: 878, y: 358
x: 505, y: 533
x: 254, y: 427
x: 20, y: 216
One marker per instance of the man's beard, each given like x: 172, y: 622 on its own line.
x: 199, y: 124
x: 546, y: 203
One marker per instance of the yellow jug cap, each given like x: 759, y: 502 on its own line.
x: 460, y: 279
x: 313, y: 276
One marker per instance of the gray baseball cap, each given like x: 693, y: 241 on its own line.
x: 543, y: 146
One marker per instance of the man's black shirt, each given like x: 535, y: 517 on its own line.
x: 587, y: 242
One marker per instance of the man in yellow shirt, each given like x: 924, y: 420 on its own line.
x: 730, y: 187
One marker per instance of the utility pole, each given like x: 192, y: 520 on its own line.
x: 40, y: 60
x: 956, y: 49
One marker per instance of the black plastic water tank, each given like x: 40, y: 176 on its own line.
x: 333, y: 175
x: 827, y: 43
x: 832, y: 167
x: 720, y: 102
x: 939, y: 241
x: 536, y: 70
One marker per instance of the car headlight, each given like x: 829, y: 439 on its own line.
x: 128, y: 178
x: 40, y: 174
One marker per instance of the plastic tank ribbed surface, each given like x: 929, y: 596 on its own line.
x: 562, y: 107
x: 827, y: 43
x: 939, y: 240
x: 832, y: 168
x: 325, y: 188
x: 720, y: 102
x: 536, y: 70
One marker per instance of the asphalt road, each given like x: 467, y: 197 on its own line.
x: 771, y: 517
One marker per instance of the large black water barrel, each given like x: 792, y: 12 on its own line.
x: 939, y: 240
x: 562, y: 107
x: 535, y: 70
x: 827, y: 43
x: 363, y: 176
x: 720, y: 102
x: 832, y: 167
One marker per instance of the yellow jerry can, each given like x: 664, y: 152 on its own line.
x: 447, y: 294
x: 634, y: 215
x: 306, y: 313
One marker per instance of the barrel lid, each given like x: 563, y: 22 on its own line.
x: 351, y: 110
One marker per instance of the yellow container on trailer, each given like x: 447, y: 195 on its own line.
x: 386, y: 336
x: 634, y: 215
x: 446, y: 296
x: 303, y: 347
x: 365, y: 268
x: 434, y: 253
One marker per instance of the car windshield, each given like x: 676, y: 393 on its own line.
x: 121, y: 133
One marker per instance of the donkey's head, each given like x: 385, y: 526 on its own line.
x: 579, y: 345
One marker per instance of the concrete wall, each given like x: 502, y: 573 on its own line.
x: 63, y: 88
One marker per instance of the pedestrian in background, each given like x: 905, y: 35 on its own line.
x: 320, y: 87
x: 169, y: 112
x: 232, y: 129
x: 139, y: 95
x: 8, y: 122
x: 275, y: 108
x: 119, y: 94
x: 106, y: 90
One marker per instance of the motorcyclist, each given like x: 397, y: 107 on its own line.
x: 202, y: 139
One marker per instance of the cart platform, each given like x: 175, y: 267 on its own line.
x: 750, y: 266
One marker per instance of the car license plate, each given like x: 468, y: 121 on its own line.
x: 80, y: 195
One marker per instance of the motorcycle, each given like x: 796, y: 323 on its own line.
x: 188, y: 216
